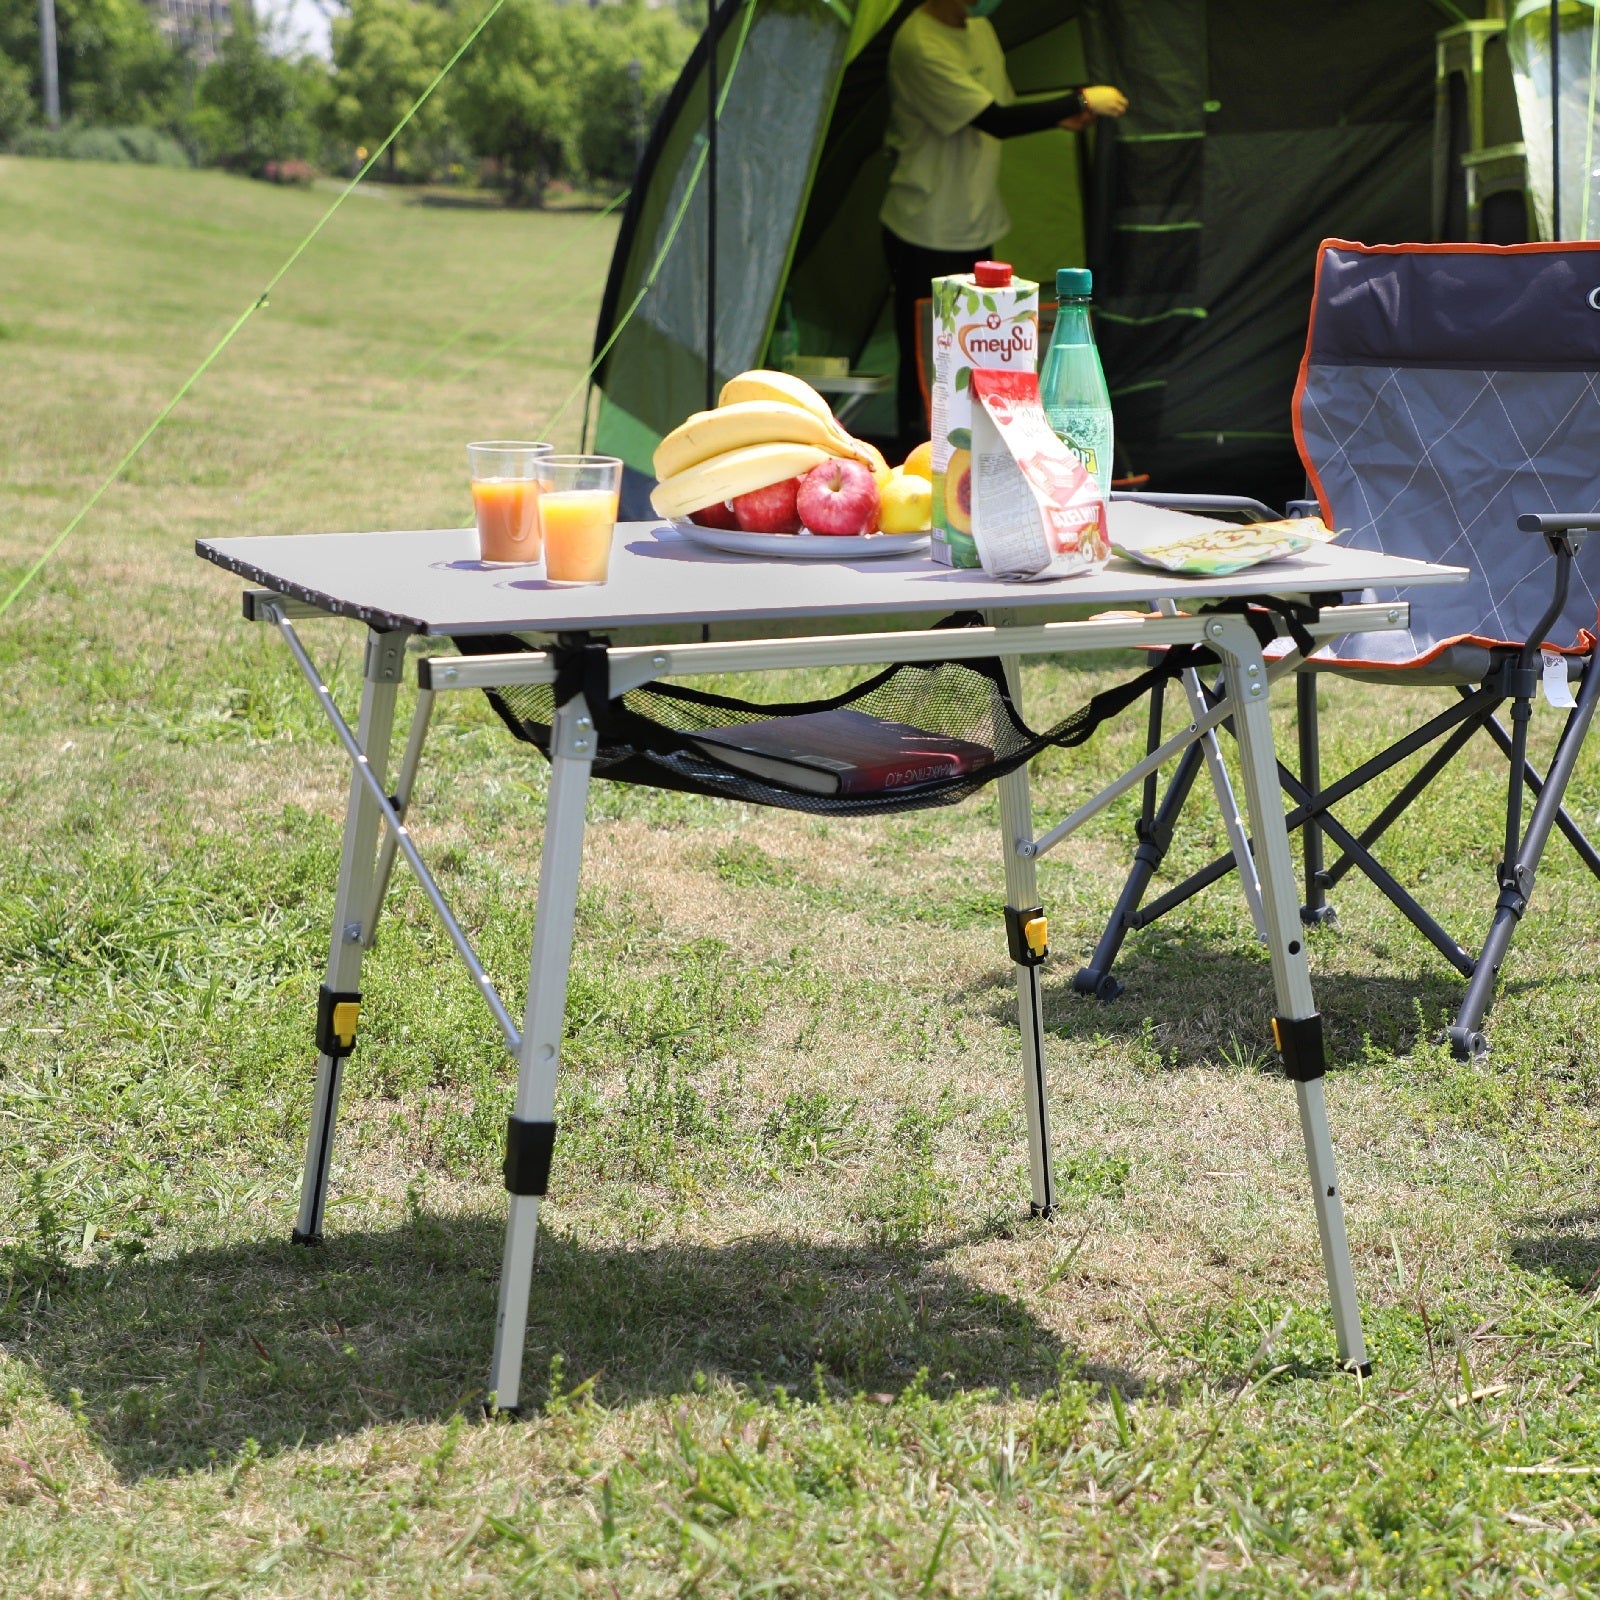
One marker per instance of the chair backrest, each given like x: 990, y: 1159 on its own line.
x: 1445, y: 389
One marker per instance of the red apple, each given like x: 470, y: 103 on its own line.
x: 769, y: 510
x: 719, y: 514
x: 840, y: 498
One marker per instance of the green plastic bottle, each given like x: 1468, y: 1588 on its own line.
x: 1072, y: 383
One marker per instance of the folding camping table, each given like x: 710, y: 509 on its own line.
x: 429, y: 586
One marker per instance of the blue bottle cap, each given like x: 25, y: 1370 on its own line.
x: 1075, y: 283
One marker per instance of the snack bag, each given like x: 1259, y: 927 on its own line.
x: 1216, y: 549
x: 986, y: 318
x: 1035, y: 512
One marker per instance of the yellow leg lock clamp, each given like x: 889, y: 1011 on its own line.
x: 337, y: 1015
x: 1027, y: 935
x: 1300, y: 1045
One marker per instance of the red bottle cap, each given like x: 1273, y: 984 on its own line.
x: 992, y: 274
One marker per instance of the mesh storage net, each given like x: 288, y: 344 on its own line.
x: 653, y: 735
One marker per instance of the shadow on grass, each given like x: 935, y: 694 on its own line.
x: 175, y: 1364
x: 493, y: 200
x: 1193, y: 1001
x: 1564, y: 1245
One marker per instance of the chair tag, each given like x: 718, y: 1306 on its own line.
x: 1557, y: 691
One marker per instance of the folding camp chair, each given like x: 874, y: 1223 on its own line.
x: 1447, y: 409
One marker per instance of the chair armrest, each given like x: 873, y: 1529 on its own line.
x: 1200, y: 503
x: 1564, y: 533
x: 1548, y: 522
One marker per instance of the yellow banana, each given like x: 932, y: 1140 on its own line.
x: 781, y: 386
x: 871, y: 456
x: 713, y: 433
x: 734, y: 472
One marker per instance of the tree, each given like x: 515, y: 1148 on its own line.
x: 385, y: 53
x: 518, y: 93
x: 633, y: 59
x: 113, y: 64
x: 17, y: 109
x: 252, y: 106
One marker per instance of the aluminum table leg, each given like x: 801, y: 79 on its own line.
x: 531, y: 1134
x: 1022, y: 890
x: 1247, y: 688
x: 385, y: 658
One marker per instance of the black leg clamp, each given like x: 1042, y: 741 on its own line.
x: 1027, y: 936
x: 337, y: 1015
x: 529, y: 1147
x: 1300, y: 1045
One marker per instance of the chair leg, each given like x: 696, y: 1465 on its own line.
x: 1570, y: 830
x: 1316, y: 909
x: 1517, y: 871
x: 1155, y: 838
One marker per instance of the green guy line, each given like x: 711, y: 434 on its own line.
x: 415, y: 400
x: 1198, y: 312
x: 666, y: 244
x: 244, y: 316
x: 328, y: 451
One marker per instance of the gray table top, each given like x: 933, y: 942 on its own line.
x: 433, y: 583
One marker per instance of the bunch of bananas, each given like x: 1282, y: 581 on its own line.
x: 767, y: 426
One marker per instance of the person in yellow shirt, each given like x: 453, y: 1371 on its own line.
x: 950, y: 105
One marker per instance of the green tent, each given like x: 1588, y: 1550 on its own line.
x: 1257, y: 128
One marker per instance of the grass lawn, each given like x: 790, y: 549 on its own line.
x: 793, y: 1332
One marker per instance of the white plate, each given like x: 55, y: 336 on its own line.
x: 804, y: 546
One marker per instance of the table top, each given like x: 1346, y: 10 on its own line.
x: 433, y: 583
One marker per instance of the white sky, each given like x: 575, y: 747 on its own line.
x: 301, y: 22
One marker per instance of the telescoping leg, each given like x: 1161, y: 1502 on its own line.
x: 1297, y: 1028
x: 531, y: 1130
x: 1026, y: 941
x: 340, y: 1001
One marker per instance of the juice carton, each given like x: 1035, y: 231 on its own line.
x: 1036, y: 512
x: 982, y: 320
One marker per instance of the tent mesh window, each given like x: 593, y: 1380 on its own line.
x: 652, y: 735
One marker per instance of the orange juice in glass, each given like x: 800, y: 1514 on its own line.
x: 506, y: 483
x: 578, y: 512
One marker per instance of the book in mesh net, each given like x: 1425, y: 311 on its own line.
x: 842, y: 751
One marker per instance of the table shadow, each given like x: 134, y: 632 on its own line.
x: 1191, y: 1001
x: 173, y: 1364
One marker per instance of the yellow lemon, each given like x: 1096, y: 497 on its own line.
x: 920, y: 462
x: 907, y: 505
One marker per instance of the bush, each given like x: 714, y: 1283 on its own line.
x: 148, y: 146
x: 16, y: 101
x: 254, y: 108
x: 289, y: 172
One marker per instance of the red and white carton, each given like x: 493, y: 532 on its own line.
x: 1036, y: 513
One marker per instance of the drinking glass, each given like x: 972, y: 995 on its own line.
x: 578, y: 511
x: 506, y: 483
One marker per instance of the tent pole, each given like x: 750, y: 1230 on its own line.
x: 711, y: 203
x: 1555, y: 119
